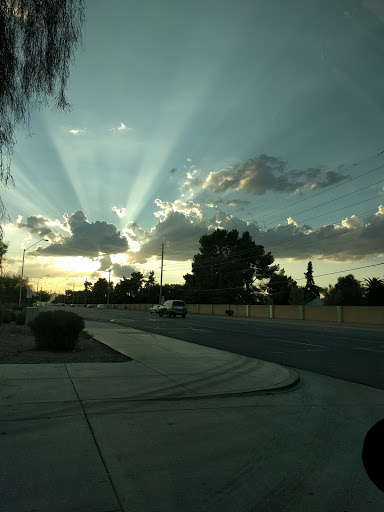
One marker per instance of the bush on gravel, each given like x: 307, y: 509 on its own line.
x: 56, y: 330
x: 7, y: 316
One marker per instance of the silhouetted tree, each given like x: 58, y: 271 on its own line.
x: 3, y: 252
x: 226, y: 268
x: 346, y: 292
x: 298, y: 295
x: 37, y: 43
x: 374, y: 291
x: 279, y: 288
x: 311, y: 290
x: 100, y: 290
x: 10, y: 289
x: 150, y: 281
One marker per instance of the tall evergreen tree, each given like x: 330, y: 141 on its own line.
x: 311, y: 290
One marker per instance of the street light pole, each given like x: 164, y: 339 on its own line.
x: 22, y: 266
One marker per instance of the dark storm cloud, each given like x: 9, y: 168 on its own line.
x: 117, y: 270
x: 265, y: 173
x: 350, y: 239
x: 181, y: 234
x: 123, y: 270
x: 41, y: 226
x: 87, y: 239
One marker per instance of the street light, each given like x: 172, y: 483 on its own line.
x: 22, y: 266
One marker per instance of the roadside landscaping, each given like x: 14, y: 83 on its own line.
x: 16, y: 347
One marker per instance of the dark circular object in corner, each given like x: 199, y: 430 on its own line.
x: 373, y: 454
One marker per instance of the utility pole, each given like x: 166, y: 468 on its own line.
x: 161, y: 274
x: 109, y: 286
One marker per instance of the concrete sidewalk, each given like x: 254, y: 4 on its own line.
x: 50, y: 456
x: 166, y: 367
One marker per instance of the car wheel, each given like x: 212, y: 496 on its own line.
x: 169, y: 315
x: 160, y: 314
x: 183, y: 315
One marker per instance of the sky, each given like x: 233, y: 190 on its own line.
x: 257, y: 115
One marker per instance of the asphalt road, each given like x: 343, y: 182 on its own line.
x: 354, y: 353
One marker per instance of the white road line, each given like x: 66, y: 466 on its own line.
x: 298, y: 342
x: 368, y: 349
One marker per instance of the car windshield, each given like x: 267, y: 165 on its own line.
x: 178, y: 303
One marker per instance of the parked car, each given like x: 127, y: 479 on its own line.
x: 154, y: 309
x: 89, y: 305
x: 173, y: 308
x: 101, y: 306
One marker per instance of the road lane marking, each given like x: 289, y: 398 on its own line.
x: 298, y: 342
x: 369, y: 349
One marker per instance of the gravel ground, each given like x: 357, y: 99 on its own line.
x: 16, y: 347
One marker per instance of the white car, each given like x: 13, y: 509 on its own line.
x: 154, y: 309
x: 101, y: 306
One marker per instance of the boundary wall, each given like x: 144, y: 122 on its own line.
x: 373, y: 315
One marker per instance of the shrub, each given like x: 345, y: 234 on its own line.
x: 56, y: 330
x: 7, y: 316
x: 229, y: 312
x: 20, y: 317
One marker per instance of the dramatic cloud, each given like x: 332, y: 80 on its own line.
x: 233, y: 203
x: 105, y: 263
x: 180, y: 226
x: 350, y: 240
x: 190, y: 209
x: 123, y: 270
x: 259, y: 175
x: 88, y: 239
x: 42, y: 227
x: 180, y: 234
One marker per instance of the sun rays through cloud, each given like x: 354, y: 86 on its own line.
x: 203, y: 121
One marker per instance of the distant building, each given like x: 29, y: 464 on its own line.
x: 316, y: 302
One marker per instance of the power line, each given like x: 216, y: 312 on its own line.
x: 331, y: 200
x: 297, y: 236
x: 322, y: 204
x: 348, y: 270
x: 280, y: 282
x: 204, y: 265
x: 324, y: 191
